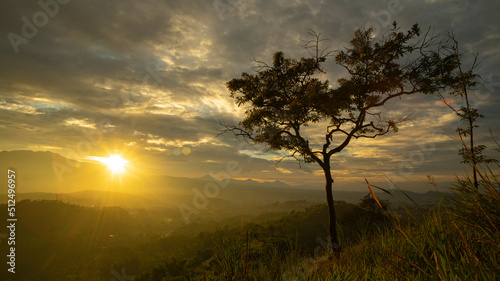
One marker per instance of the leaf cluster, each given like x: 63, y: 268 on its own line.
x: 288, y: 95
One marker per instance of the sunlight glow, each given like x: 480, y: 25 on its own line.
x: 115, y: 163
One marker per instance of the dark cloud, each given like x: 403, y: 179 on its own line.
x: 154, y: 72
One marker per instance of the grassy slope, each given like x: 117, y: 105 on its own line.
x: 457, y: 240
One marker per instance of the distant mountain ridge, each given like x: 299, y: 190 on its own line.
x: 89, y: 184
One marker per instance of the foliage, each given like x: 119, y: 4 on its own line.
x: 373, y: 212
x: 463, y: 81
x: 457, y: 240
x: 287, y: 96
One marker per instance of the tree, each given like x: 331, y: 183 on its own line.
x: 374, y: 211
x: 463, y: 80
x: 287, y: 96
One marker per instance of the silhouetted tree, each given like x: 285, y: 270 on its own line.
x: 464, y: 80
x: 373, y: 210
x: 287, y: 96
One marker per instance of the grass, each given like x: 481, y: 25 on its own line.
x: 459, y: 239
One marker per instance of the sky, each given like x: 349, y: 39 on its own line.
x: 146, y: 79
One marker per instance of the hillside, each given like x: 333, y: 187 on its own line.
x: 101, y: 239
x: 90, y: 185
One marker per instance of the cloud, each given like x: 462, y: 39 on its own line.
x: 150, y: 76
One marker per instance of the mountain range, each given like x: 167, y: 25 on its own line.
x: 38, y: 176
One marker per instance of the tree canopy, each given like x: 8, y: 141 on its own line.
x: 286, y: 96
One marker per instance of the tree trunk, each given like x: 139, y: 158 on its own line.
x: 473, y: 153
x: 471, y: 127
x: 334, y: 239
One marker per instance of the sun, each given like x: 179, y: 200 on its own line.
x: 115, y: 163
